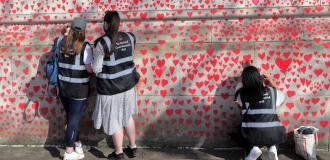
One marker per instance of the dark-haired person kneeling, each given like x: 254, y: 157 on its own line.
x: 260, y: 124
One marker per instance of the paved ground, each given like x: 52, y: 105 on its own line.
x: 38, y: 153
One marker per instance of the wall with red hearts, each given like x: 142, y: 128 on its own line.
x: 189, y: 54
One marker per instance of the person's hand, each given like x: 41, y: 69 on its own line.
x: 268, y: 80
x: 65, y: 30
x: 267, y: 76
x: 248, y: 63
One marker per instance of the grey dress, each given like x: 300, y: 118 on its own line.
x: 112, y: 111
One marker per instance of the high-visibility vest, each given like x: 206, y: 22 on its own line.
x: 118, y: 72
x: 260, y: 124
x: 73, y: 75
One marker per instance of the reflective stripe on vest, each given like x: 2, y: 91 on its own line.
x: 113, y: 62
x: 73, y: 80
x: 73, y: 67
x: 269, y: 112
x: 120, y: 61
x: 259, y: 111
x: 116, y: 75
x: 260, y: 124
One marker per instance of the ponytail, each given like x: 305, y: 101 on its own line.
x: 112, y: 20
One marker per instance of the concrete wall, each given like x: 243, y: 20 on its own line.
x: 189, y: 54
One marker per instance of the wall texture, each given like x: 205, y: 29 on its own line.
x: 189, y: 54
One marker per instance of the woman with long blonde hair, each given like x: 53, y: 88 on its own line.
x: 75, y: 60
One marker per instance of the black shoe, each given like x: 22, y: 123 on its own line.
x: 130, y: 152
x: 114, y: 156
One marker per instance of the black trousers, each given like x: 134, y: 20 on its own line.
x: 237, y: 137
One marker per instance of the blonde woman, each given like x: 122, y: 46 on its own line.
x: 74, y: 70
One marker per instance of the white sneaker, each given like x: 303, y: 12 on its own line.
x: 80, y: 151
x: 272, y: 153
x: 71, y: 156
x: 254, y: 153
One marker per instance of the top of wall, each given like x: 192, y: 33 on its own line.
x: 59, y: 11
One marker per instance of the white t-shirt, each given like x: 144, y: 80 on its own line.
x: 280, y: 96
x: 88, y: 55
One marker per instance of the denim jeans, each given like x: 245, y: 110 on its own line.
x: 73, y: 109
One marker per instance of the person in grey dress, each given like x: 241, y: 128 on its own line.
x: 116, y: 79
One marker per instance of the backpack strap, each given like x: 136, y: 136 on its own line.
x: 56, y: 48
x: 36, y: 113
x: 59, y: 44
x: 55, y: 55
x: 57, y: 91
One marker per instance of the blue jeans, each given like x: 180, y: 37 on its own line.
x: 73, y: 109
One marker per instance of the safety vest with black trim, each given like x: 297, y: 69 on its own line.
x: 260, y: 124
x: 118, y: 72
x: 73, y: 76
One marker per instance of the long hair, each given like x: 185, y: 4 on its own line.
x: 113, y: 20
x: 253, y: 87
x: 73, y: 42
